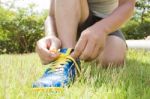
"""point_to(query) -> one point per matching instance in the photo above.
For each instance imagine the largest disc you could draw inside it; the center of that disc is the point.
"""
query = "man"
(90, 27)
(66, 16)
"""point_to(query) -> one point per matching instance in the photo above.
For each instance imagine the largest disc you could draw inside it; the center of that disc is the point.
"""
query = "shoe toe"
(41, 84)
(50, 82)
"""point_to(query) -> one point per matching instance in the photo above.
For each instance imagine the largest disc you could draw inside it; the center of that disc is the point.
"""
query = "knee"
(71, 7)
(112, 61)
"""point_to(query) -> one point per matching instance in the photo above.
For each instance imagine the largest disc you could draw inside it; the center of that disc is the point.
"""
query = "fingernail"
(72, 54)
(53, 51)
(55, 55)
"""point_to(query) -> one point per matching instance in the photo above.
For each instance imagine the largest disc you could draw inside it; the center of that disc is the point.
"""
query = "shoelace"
(58, 65)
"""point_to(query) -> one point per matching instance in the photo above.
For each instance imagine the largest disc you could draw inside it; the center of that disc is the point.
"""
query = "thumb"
(54, 45)
(54, 49)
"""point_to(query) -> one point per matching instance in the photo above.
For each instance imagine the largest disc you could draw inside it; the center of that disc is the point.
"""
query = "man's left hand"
(90, 44)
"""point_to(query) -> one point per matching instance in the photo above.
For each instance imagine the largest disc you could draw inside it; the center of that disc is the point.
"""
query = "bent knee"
(112, 61)
(114, 52)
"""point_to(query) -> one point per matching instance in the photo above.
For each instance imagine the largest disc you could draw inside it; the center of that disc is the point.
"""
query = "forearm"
(117, 18)
(50, 26)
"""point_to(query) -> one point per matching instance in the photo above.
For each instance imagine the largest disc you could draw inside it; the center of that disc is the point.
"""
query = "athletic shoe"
(61, 72)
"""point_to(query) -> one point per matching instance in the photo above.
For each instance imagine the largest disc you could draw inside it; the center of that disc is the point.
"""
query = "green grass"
(17, 72)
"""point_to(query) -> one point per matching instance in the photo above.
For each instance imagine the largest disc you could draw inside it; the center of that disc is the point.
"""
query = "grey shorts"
(92, 19)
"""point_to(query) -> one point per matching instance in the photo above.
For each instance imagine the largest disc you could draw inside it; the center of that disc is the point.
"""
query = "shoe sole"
(50, 89)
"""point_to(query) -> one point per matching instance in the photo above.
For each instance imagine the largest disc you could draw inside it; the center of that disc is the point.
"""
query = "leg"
(68, 15)
(114, 52)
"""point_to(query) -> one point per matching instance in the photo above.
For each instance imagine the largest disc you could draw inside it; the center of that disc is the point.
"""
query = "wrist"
(103, 28)
(100, 30)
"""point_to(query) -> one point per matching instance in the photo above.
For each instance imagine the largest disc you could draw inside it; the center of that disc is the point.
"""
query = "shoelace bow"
(59, 64)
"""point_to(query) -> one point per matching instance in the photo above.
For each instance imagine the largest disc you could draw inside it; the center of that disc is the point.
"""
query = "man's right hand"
(45, 48)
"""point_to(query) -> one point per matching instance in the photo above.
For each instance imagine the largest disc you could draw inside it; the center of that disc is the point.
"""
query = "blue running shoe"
(61, 72)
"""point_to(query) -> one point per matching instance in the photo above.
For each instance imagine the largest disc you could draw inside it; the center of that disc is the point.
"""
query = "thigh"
(84, 10)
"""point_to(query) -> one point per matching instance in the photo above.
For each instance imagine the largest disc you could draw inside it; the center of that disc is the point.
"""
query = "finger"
(98, 49)
(96, 52)
(54, 45)
(88, 50)
(79, 47)
(43, 47)
(45, 55)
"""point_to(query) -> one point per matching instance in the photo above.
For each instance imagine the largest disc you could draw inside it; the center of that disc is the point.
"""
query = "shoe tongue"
(66, 51)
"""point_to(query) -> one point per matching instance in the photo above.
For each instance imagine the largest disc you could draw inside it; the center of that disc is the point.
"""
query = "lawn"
(17, 72)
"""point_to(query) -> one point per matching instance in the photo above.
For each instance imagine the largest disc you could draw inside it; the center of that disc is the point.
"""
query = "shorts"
(92, 19)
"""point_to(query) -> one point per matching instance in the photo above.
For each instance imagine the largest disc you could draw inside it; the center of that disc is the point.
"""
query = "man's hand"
(45, 47)
(91, 42)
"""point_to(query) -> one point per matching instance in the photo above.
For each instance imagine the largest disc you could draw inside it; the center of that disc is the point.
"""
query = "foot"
(61, 72)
